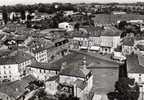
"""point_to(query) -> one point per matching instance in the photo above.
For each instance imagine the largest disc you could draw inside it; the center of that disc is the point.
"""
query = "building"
(105, 71)
(60, 49)
(43, 71)
(100, 39)
(13, 66)
(127, 46)
(110, 39)
(17, 90)
(51, 85)
(86, 38)
(60, 44)
(77, 79)
(65, 25)
(139, 47)
(135, 70)
(38, 48)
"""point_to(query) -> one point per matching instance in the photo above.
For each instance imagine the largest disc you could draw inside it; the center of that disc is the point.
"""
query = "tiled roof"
(38, 45)
(45, 66)
(140, 47)
(74, 71)
(133, 65)
(15, 57)
(29, 78)
(111, 31)
(14, 89)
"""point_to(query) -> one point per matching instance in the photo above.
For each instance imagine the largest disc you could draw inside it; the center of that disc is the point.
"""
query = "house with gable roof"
(13, 65)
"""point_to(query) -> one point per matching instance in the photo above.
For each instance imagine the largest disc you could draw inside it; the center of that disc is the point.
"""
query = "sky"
(13, 2)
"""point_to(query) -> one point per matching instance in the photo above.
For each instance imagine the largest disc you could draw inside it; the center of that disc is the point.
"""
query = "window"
(10, 72)
(9, 66)
(5, 76)
(40, 71)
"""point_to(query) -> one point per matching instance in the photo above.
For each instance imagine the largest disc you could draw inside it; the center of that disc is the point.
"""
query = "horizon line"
(72, 3)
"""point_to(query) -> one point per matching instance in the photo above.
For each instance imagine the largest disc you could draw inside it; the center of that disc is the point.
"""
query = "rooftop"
(15, 57)
(16, 88)
(128, 41)
(111, 31)
(38, 45)
(74, 71)
(45, 66)
(135, 64)
(140, 47)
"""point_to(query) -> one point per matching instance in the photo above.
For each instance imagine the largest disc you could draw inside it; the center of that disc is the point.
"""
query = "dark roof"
(74, 71)
(45, 66)
(82, 32)
(15, 57)
(14, 89)
(133, 65)
(29, 78)
(128, 41)
(45, 31)
(5, 52)
(38, 45)
(140, 47)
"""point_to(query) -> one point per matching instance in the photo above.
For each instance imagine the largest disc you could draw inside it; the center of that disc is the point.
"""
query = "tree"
(77, 26)
(122, 25)
(127, 89)
(23, 14)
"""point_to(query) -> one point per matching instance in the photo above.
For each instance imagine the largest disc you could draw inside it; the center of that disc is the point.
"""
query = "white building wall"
(95, 41)
(41, 56)
(66, 26)
(42, 74)
(110, 41)
(51, 87)
(9, 72)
